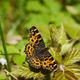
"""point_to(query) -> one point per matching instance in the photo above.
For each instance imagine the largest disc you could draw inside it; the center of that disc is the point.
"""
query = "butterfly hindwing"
(49, 63)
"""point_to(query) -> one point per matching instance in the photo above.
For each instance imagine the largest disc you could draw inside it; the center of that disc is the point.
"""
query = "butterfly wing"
(32, 58)
(37, 54)
(29, 50)
(36, 38)
(47, 61)
(37, 41)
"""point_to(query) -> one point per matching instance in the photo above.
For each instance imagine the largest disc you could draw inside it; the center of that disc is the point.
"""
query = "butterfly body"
(37, 53)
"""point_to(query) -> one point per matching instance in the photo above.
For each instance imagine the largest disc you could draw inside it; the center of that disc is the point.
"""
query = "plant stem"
(4, 47)
(11, 74)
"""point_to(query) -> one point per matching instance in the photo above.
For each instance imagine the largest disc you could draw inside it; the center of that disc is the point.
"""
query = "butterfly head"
(35, 36)
(33, 30)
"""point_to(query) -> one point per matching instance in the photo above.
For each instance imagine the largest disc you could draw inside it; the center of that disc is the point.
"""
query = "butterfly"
(37, 53)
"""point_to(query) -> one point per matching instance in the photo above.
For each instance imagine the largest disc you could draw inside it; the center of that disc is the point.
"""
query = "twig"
(10, 74)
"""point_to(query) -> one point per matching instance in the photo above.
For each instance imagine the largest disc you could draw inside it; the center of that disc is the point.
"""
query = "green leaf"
(72, 10)
(27, 73)
(19, 59)
(66, 47)
(74, 69)
(72, 28)
(55, 55)
(51, 4)
(69, 73)
(53, 35)
(62, 35)
(72, 56)
(37, 8)
(2, 76)
(77, 46)
(70, 76)
(59, 75)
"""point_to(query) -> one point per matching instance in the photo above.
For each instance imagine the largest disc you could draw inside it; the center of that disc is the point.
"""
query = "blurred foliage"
(59, 24)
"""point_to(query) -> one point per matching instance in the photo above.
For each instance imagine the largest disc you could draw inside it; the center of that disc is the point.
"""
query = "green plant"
(67, 58)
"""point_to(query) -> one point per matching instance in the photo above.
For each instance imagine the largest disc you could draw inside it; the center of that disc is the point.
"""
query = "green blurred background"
(17, 16)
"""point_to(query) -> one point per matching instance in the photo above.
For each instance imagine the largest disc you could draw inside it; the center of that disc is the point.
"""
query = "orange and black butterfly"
(37, 54)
